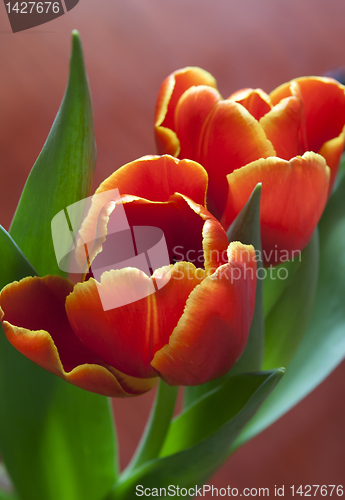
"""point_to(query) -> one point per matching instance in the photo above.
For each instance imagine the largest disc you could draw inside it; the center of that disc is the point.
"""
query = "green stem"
(156, 427)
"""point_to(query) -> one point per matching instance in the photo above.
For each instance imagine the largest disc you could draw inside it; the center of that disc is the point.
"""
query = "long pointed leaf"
(246, 228)
(323, 345)
(288, 319)
(63, 172)
(211, 411)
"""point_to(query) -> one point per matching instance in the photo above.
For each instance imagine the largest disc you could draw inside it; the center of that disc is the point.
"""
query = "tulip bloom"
(254, 137)
(191, 329)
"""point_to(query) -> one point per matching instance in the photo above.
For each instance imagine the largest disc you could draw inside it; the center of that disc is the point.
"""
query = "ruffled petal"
(257, 102)
(154, 178)
(213, 330)
(324, 104)
(231, 138)
(170, 92)
(40, 330)
(191, 112)
(179, 224)
(294, 194)
(332, 151)
(141, 312)
(282, 127)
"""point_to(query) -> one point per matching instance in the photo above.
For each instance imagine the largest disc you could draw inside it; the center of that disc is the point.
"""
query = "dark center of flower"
(157, 234)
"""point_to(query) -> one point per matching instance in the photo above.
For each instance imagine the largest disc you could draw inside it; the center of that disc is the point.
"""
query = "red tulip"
(322, 125)
(187, 323)
(231, 138)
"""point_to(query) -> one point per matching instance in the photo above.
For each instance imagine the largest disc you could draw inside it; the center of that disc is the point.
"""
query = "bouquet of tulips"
(217, 266)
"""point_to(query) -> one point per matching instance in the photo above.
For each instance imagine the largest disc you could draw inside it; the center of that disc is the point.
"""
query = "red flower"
(187, 323)
(253, 137)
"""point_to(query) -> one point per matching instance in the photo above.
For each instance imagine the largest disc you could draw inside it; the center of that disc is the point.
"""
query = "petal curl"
(180, 219)
(294, 195)
(257, 102)
(231, 138)
(213, 330)
(214, 238)
(142, 318)
(40, 330)
(154, 178)
(332, 151)
(170, 92)
(215, 245)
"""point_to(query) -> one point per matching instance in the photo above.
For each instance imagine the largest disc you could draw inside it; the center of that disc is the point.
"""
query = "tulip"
(186, 322)
(290, 140)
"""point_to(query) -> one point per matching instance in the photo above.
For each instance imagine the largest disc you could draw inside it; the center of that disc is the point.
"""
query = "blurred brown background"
(130, 47)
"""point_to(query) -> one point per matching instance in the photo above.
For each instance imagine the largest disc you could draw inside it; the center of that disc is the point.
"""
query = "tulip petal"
(155, 178)
(143, 316)
(191, 112)
(282, 127)
(170, 92)
(39, 329)
(294, 194)
(332, 151)
(283, 91)
(324, 104)
(215, 245)
(180, 220)
(214, 240)
(257, 102)
(231, 138)
(213, 330)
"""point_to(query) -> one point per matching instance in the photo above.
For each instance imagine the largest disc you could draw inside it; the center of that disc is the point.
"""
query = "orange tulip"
(186, 322)
(253, 137)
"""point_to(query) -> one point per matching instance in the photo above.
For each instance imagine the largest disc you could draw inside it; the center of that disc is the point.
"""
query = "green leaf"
(14, 265)
(4, 495)
(245, 228)
(198, 462)
(211, 411)
(341, 173)
(323, 345)
(63, 172)
(157, 426)
(57, 440)
(288, 319)
(275, 283)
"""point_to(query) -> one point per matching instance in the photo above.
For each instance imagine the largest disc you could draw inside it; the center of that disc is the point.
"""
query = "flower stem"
(156, 428)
